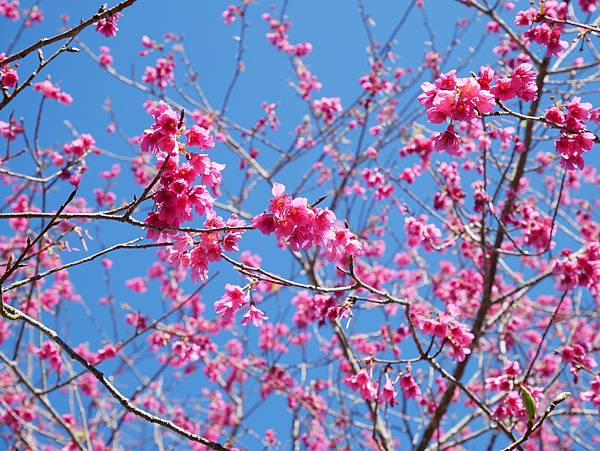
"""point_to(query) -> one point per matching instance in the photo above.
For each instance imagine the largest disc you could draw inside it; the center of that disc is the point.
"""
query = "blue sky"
(338, 59)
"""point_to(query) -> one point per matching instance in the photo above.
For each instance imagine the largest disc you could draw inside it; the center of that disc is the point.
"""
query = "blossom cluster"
(8, 75)
(105, 58)
(580, 269)
(301, 226)
(545, 31)
(108, 26)
(448, 330)
(10, 9)
(279, 37)
(162, 74)
(53, 92)
(459, 99)
(328, 108)
(575, 140)
(233, 300)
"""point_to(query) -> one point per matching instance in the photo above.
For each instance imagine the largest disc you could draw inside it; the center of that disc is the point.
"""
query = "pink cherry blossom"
(108, 25)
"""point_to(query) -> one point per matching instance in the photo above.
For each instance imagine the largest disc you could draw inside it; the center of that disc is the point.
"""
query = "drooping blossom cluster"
(223, 236)
(77, 150)
(254, 315)
(577, 355)
(575, 140)
(177, 195)
(108, 26)
(545, 31)
(410, 388)
(388, 391)
(301, 226)
(362, 383)
(593, 394)
(580, 269)
(53, 92)
(232, 301)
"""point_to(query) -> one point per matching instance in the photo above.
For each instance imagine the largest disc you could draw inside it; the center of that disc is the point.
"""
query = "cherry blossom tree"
(411, 265)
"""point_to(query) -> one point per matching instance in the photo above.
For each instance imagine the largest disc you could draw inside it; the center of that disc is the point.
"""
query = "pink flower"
(555, 115)
(107, 352)
(264, 222)
(137, 285)
(162, 135)
(362, 382)
(449, 141)
(105, 58)
(593, 395)
(51, 352)
(231, 13)
(328, 107)
(35, 16)
(418, 231)
(255, 315)
(270, 437)
(307, 83)
(80, 146)
(388, 392)
(233, 299)
(301, 226)
(521, 83)
(457, 98)
(589, 6)
(580, 270)
(409, 386)
(9, 78)
(108, 25)
(10, 9)
(162, 74)
(504, 89)
(52, 92)
(571, 147)
(10, 130)
(199, 136)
